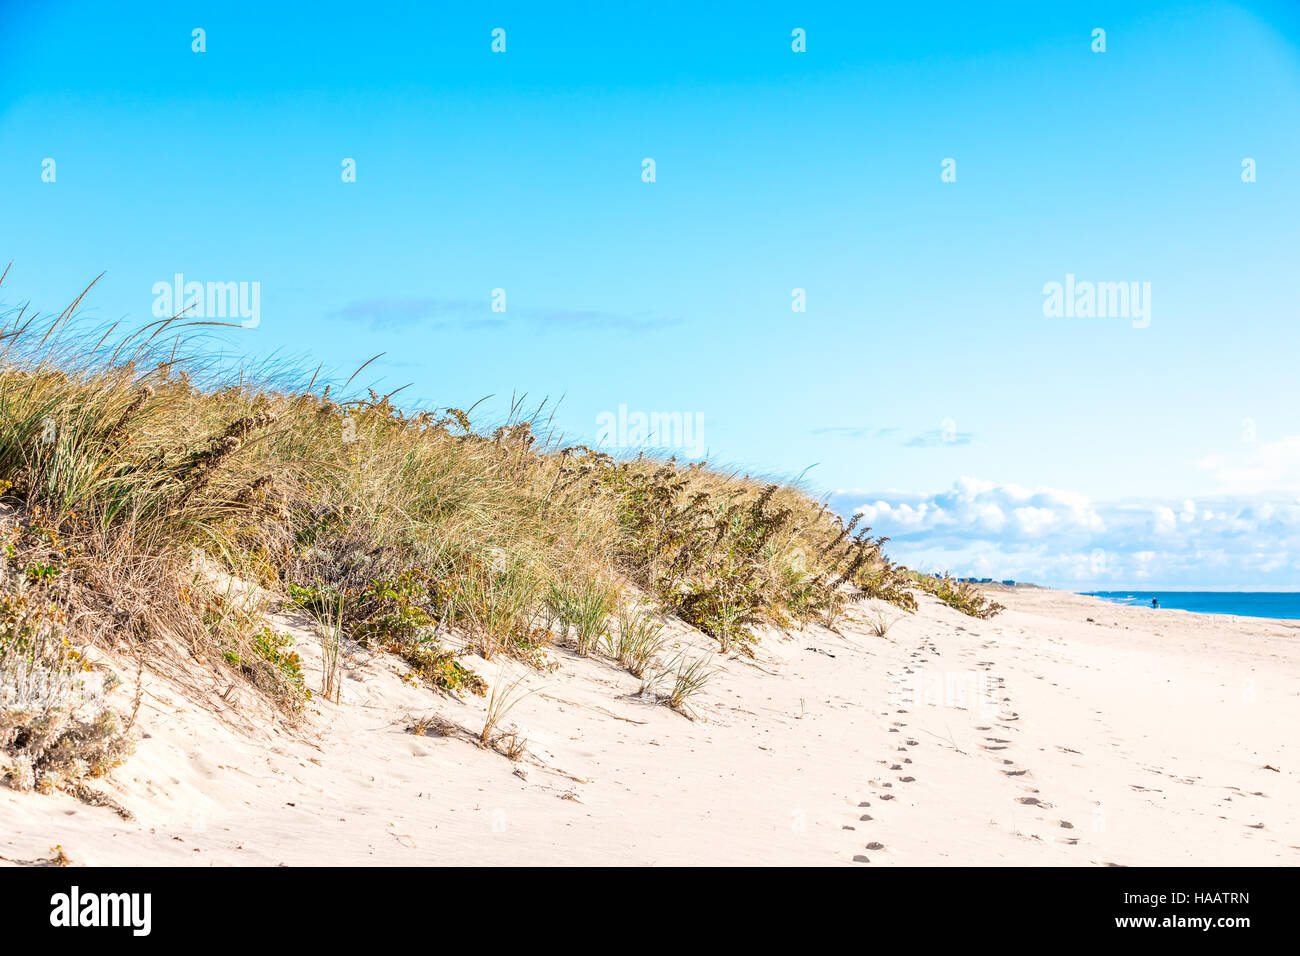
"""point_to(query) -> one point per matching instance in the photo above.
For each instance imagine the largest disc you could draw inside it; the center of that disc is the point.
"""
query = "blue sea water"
(1276, 604)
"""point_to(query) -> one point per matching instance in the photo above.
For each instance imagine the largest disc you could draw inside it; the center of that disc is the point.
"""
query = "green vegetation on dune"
(964, 597)
(164, 489)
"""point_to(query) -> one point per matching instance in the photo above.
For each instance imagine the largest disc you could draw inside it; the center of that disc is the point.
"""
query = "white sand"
(1146, 732)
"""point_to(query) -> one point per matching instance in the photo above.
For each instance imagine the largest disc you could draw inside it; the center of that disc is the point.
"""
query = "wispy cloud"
(857, 431)
(930, 439)
(596, 320)
(938, 438)
(1261, 466)
(389, 313)
(395, 313)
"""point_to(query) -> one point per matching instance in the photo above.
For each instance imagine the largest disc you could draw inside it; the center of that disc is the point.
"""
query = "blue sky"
(923, 382)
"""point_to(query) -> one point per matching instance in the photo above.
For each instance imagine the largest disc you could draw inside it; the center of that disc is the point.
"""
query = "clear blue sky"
(775, 170)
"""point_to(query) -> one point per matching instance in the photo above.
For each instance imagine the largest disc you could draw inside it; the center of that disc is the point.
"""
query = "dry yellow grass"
(160, 478)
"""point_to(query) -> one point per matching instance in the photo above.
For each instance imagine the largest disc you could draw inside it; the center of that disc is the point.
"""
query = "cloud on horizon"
(1063, 538)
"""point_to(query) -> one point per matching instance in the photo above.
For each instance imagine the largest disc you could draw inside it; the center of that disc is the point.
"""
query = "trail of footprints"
(991, 743)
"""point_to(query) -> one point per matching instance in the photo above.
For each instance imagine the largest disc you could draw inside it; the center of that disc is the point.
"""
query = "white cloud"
(1057, 536)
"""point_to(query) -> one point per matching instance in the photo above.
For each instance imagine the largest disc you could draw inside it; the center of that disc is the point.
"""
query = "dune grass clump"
(164, 497)
(583, 608)
(724, 554)
(329, 633)
(959, 595)
(502, 608)
(879, 623)
(505, 695)
(677, 680)
(636, 641)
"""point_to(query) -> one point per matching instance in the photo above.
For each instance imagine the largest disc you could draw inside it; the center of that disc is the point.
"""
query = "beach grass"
(959, 595)
(141, 479)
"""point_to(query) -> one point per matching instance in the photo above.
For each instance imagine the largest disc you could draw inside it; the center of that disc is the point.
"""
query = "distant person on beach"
(1155, 603)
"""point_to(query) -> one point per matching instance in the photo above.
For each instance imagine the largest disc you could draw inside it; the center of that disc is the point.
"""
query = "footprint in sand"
(873, 845)
(861, 859)
(906, 779)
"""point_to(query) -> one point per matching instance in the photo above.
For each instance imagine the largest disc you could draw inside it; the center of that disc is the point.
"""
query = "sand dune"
(1039, 737)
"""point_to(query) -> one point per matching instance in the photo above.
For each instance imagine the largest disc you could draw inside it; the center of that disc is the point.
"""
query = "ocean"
(1277, 604)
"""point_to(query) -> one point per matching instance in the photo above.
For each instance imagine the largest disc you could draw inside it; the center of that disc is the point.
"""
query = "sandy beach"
(1064, 731)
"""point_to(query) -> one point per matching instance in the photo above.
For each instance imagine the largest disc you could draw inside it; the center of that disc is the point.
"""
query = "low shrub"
(959, 595)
